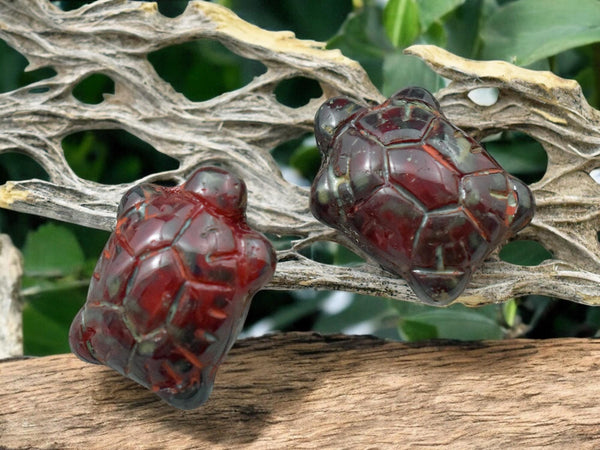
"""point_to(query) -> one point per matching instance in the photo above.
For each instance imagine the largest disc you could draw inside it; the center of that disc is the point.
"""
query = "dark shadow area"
(91, 89)
(70, 5)
(520, 155)
(19, 166)
(210, 69)
(171, 8)
(13, 74)
(113, 156)
(297, 91)
(282, 311)
(524, 253)
(550, 318)
(312, 19)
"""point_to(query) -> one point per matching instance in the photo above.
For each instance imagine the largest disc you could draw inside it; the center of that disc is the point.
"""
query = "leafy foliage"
(59, 258)
(526, 31)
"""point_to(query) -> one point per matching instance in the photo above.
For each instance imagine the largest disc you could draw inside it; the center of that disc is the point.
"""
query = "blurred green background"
(59, 258)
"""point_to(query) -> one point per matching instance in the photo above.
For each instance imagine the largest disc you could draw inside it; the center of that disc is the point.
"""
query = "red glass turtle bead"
(416, 193)
(171, 290)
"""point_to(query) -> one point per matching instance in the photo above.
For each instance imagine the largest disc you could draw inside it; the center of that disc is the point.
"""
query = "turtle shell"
(416, 193)
(172, 287)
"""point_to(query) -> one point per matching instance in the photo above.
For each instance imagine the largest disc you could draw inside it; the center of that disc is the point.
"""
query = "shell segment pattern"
(172, 287)
(416, 193)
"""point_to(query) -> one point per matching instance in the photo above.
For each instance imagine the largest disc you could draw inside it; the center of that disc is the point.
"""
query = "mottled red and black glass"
(172, 287)
(416, 193)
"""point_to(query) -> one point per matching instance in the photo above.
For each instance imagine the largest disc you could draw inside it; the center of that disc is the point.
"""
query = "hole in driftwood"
(172, 8)
(524, 253)
(13, 71)
(484, 96)
(598, 236)
(38, 90)
(210, 69)
(327, 252)
(167, 182)
(70, 5)
(91, 89)
(520, 155)
(262, 308)
(281, 242)
(34, 76)
(297, 91)
(113, 156)
(282, 311)
(595, 174)
(19, 166)
(299, 160)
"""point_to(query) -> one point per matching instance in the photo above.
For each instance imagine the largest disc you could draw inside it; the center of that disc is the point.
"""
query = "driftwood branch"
(239, 128)
(308, 391)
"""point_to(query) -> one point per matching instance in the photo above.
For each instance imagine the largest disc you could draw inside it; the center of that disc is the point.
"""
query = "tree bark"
(309, 391)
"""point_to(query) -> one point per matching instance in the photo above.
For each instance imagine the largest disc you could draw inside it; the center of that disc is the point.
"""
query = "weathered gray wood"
(307, 391)
(239, 128)
(11, 269)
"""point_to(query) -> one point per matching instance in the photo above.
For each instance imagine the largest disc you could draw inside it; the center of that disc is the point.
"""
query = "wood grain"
(309, 391)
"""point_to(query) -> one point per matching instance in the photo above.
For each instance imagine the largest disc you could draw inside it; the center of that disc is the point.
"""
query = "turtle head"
(138, 195)
(416, 93)
(524, 205)
(220, 188)
(328, 118)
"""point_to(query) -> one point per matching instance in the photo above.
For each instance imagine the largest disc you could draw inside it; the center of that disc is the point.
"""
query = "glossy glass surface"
(416, 193)
(172, 287)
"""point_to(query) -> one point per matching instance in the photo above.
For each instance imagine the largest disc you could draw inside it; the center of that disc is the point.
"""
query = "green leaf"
(462, 324)
(86, 155)
(52, 251)
(588, 81)
(400, 71)
(401, 21)
(525, 31)
(463, 27)
(524, 253)
(361, 309)
(363, 38)
(520, 156)
(435, 35)
(60, 304)
(345, 257)
(405, 309)
(42, 335)
(306, 160)
(431, 11)
(509, 311)
(592, 317)
(417, 331)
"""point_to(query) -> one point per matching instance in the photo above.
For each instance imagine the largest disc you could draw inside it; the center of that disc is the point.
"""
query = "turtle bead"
(413, 191)
(172, 287)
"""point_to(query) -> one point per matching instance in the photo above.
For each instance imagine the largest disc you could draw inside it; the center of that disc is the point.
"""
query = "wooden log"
(301, 390)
